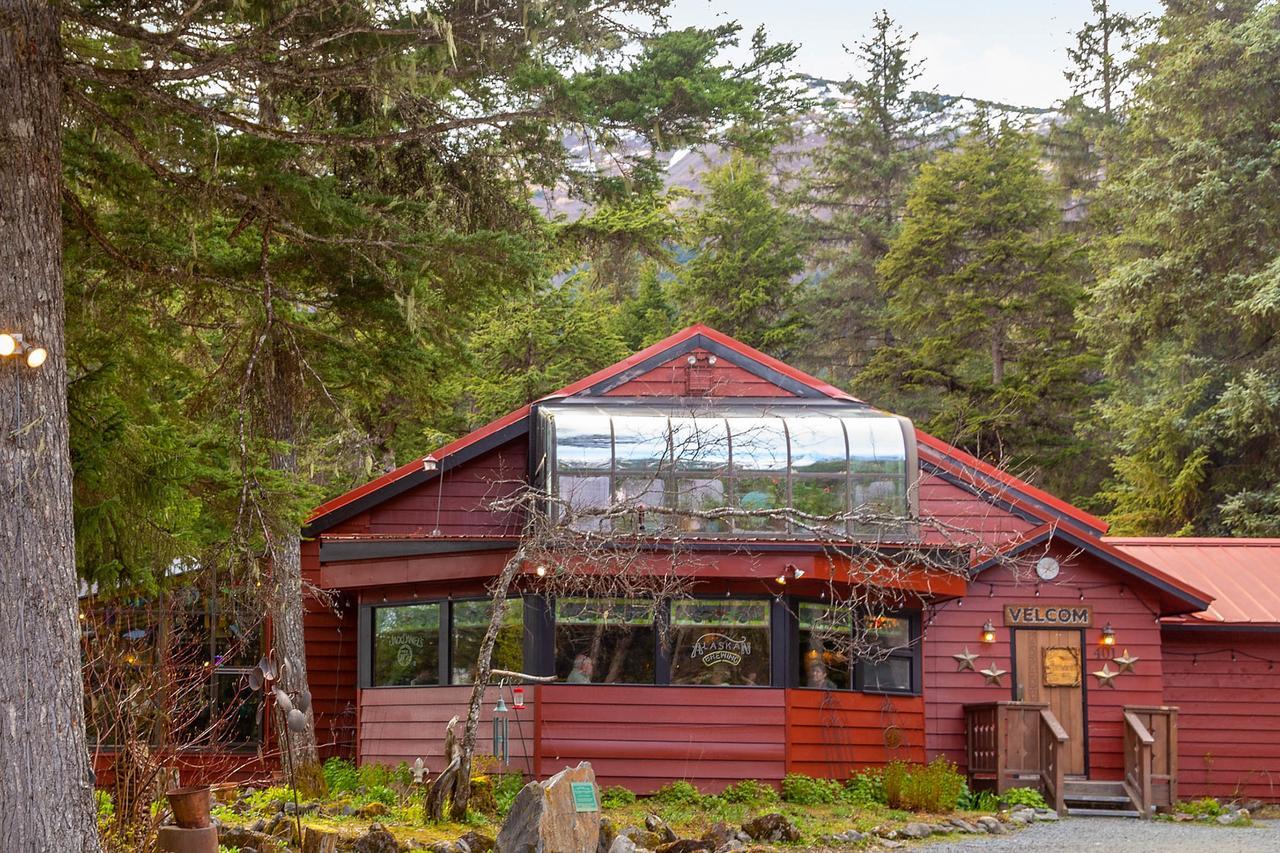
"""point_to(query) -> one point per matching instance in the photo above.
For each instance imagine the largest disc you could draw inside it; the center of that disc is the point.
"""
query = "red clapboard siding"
(671, 380)
(959, 509)
(195, 767)
(404, 723)
(953, 627)
(832, 734)
(645, 737)
(1228, 717)
(457, 503)
(331, 661)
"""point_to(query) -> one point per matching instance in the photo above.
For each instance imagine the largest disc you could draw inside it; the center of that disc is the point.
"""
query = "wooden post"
(316, 840)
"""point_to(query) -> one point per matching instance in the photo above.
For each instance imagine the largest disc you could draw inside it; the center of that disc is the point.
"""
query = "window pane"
(406, 645)
(888, 632)
(646, 495)
(235, 710)
(876, 445)
(640, 442)
(604, 641)
(817, 446)
(720, 642)
(880, 496)
(583, 440)
(891, 674)
(759, 444)
(819, 496)
(761, 493)
(824, 647)
(700, 495)
(237, 637)
(470, 621)
(700, 444)
(587, 497)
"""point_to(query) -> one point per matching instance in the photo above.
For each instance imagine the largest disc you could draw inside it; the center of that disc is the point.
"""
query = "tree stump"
(315, 840)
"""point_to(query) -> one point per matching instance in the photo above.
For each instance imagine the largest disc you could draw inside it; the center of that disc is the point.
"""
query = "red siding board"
(1228, 718)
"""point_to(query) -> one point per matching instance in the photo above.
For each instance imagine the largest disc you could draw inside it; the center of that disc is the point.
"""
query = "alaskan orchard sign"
(1048, 615)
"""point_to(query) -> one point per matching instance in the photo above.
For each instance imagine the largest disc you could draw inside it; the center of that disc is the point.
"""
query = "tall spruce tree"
(855, 194)
(743, 277)
(1187, 306)
(980, 294)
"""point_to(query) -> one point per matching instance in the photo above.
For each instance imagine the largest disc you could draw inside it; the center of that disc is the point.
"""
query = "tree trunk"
(299, 748)
(462, 783)
(46, 796)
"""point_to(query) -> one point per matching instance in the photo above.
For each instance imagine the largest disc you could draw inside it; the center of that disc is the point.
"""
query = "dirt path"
(1116, 835)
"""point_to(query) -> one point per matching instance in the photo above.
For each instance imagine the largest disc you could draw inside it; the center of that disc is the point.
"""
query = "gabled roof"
(1242, 576)
(1177, 594)
(964, 470)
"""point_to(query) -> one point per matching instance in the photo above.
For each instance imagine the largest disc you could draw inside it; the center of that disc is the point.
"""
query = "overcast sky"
(1013, 51)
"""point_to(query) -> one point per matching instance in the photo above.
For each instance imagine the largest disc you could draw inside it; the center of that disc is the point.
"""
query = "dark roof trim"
(719, 350)
(417, 478)
(1196, 625)
(1194, 603)
(344, 550)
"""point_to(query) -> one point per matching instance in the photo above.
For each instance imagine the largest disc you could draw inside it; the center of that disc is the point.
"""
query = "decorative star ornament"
(1126, 661)
(993, 674)
(965, 660)
(1106, 678)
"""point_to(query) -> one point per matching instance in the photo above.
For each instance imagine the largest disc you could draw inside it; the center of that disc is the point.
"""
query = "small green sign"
(584, 797)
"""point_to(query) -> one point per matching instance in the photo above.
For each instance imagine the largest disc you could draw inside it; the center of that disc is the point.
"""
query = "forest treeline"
(262, 314)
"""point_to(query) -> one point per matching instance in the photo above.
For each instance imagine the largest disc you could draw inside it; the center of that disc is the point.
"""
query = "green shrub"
(866, 788)
(1203, 807)
(615, 797)
(678, 793)
(1023, 797)
(505, 788)
(808, 791)
(978, 801)
(374, 775)
(105, 805)
(340, 776)
(933, 787)
(750, 792)
(381, 794)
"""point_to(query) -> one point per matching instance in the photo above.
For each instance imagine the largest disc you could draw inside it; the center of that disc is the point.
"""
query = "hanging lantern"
(501, 745)
(988, 632)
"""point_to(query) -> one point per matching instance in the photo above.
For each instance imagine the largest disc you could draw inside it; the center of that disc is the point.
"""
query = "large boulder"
(543, 818)
(377, 840)
(771, 827)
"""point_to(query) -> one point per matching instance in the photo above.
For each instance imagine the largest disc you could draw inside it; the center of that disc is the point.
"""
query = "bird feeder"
(517, 698)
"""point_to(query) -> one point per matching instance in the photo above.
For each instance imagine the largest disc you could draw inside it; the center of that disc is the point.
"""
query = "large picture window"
(604, 641)
(720, 641)
(786, 470)
(826, 637)
(406, 645)
(470, 621)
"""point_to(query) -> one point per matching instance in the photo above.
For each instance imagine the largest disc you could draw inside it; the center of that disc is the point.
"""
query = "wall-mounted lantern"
(988, 632)
(1108, 635)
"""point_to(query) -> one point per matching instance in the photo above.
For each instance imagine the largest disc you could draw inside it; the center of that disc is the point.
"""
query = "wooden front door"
(1049, 667)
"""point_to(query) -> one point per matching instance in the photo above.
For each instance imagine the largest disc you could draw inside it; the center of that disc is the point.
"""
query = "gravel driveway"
(1117, 835)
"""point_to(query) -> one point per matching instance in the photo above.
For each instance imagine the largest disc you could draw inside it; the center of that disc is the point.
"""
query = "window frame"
(661, 657)
(913, 653)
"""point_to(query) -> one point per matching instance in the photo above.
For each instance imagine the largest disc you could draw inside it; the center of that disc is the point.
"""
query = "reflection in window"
(824, 647)
(406, 645)
(470, 621)
(660, 471)
(891, 667)
(720, 641)
(604, 641)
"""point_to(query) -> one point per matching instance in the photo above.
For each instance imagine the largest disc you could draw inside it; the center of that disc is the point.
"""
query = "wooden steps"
(1086, 798)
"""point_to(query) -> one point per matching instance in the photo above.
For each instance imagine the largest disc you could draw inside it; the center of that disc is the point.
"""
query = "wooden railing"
(1012, 744)
(1151, 757)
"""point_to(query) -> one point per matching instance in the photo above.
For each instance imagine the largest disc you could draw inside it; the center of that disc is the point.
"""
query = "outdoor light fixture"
(14, 344)
(541, 571)
(1108, 635)
(501, 745)
(988, 632)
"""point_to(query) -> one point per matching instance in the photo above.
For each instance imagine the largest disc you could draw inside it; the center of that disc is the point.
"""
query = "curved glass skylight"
(776, 470)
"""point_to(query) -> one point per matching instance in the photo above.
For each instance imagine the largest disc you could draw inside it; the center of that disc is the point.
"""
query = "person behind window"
(426, 675)
(818, 675)
(582, 670)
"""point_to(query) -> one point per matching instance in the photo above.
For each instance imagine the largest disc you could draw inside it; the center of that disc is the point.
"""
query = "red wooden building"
(1059, 678)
